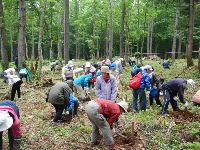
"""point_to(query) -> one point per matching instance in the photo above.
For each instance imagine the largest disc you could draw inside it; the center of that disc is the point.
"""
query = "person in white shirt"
(15, 83)
(67, 71)
(105, 61)
(53, 66)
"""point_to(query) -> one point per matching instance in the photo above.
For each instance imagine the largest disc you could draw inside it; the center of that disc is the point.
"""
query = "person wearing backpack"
(67, 71)
(155, 86)
(117, 70)
(144, 83)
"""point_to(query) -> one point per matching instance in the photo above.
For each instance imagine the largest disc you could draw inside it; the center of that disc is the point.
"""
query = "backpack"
(113, 66)
(135, 81)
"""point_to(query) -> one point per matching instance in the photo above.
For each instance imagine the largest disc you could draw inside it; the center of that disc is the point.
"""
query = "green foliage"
(170, 61)
(137, 55)
(183, 56)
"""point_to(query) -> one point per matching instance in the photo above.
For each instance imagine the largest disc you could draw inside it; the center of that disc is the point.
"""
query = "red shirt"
(110, 110)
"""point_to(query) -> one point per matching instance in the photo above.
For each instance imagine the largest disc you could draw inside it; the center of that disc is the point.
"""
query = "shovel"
(119, 134)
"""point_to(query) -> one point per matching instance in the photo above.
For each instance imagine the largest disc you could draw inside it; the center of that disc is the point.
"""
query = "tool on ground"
(119, 134)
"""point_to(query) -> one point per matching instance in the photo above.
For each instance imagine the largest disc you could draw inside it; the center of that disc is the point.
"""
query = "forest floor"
(177, 130)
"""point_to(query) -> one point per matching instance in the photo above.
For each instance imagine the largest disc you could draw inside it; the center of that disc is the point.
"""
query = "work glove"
(186, 104)
(175, 98)
(113, 130)
(67, 112)
(147, 92)
(17, 142)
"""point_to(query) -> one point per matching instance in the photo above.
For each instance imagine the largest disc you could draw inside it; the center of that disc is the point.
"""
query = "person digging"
(102, 114)
(170, 90)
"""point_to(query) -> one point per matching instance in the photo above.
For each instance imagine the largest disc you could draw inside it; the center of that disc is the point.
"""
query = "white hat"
(87, 64)
(6, 120)
(105, 69)
(191, 82)
(121, 59)
(70, 63)
(92, 69)
(124, 105)
(148, 67)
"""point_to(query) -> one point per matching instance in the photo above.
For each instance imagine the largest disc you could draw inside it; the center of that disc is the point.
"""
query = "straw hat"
(6, 121)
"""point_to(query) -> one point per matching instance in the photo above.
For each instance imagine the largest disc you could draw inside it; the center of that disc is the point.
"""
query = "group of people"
(104, 110)
(152, 82)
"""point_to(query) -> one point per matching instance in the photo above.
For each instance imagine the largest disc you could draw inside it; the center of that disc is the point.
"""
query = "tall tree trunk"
(111, 30)
(175, 34)
(11, 43)
(4, 53)
(122, 30)
(93, 32)
(151, 35)
(179, 44)
(32, 41)
(40, 39)
(26, 48)
(59, 44)
(21, 35)
(199, 59)
(77, 28)
(106, 52)
(148, 37)
(50, 36)
(190, 35)
(66, 32)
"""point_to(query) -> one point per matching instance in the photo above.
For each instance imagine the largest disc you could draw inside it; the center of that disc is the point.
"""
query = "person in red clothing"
(90, 69)
(103, 113)
(9, 119)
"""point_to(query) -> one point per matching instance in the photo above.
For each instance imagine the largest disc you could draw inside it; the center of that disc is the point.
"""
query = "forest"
(64, 30)
(43, 31)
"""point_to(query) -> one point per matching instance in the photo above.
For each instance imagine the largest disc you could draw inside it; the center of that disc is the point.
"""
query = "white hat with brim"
(190, 83)
(148, 67)
(87, 64)
(92, 69)
(124, 105)
(6, 121)
(105, 69)
(70, 63)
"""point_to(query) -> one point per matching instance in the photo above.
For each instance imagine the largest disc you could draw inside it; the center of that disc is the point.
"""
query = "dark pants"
(157, 100)
(23, 75)
(59, 111)
(10, 134)
(91, 84)
(141, 94)
(16, 87)
(131, 63)
(168, 98)
(76, 105)
(69, 78)
(53, 69)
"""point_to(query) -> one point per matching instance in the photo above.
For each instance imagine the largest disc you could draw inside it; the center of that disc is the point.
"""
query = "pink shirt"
(16, 130)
